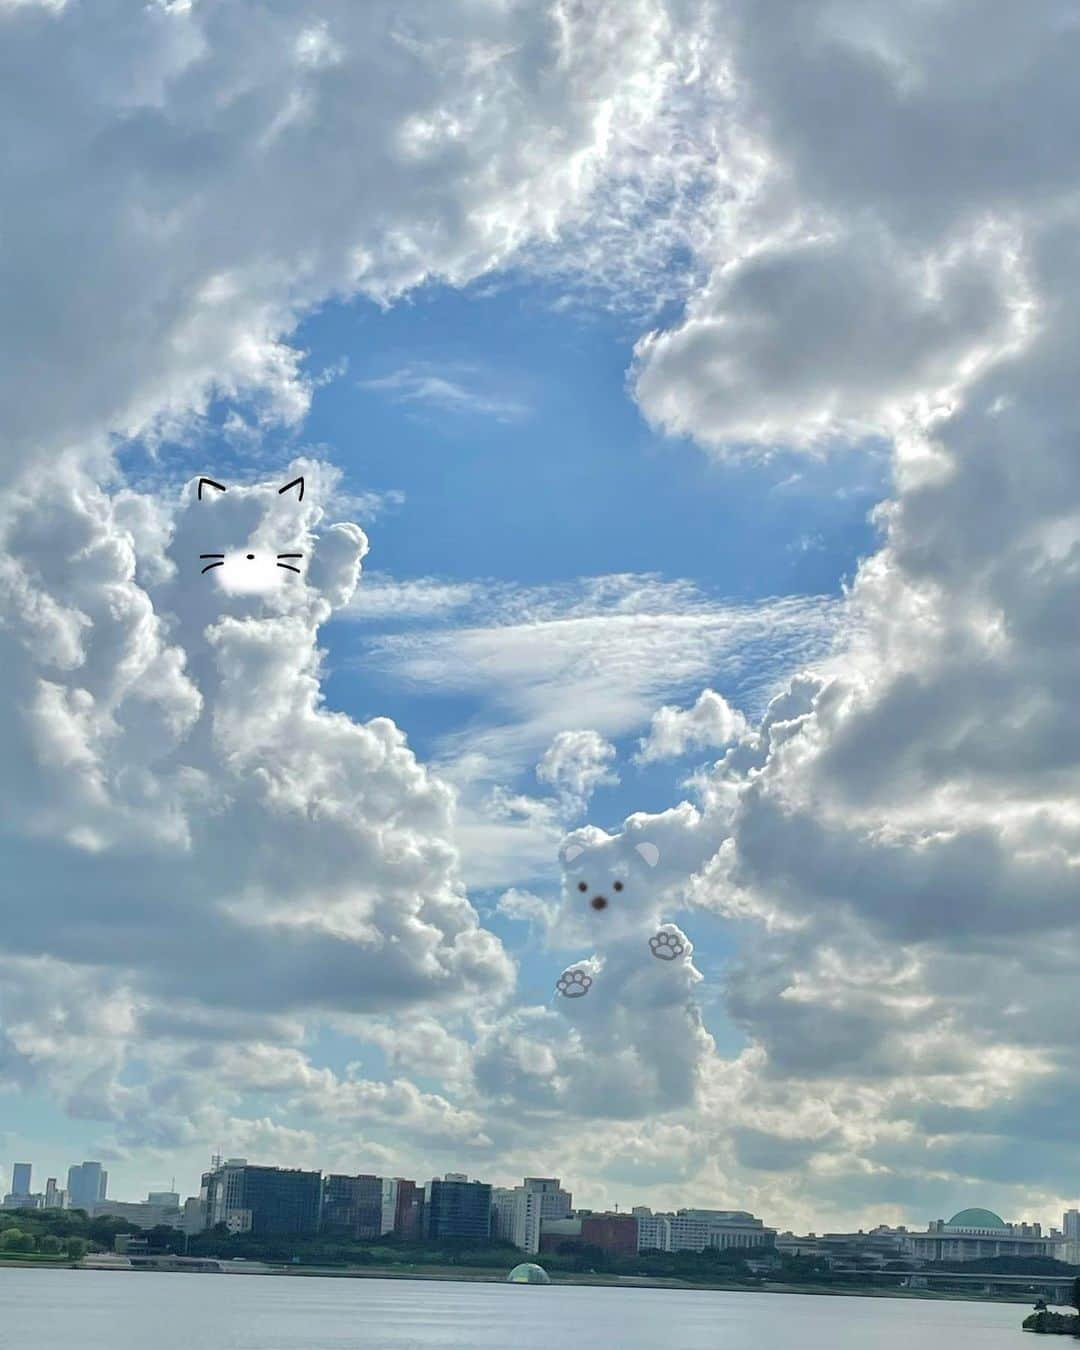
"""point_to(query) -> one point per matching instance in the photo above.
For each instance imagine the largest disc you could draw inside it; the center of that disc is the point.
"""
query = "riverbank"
(497, 1275)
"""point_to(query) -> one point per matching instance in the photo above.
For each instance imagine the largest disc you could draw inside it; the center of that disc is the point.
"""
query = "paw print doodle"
(666, 946)
(573, 983)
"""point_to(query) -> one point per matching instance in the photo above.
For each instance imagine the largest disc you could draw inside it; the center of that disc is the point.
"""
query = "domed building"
(974, 1234)
(528, 1273)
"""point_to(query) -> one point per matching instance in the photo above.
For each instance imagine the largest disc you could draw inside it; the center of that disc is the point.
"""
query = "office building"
(457, 1208)
(693, 1230)
(138, 1214)
(612, 1233)
(975, 1234)
(504, 1210)
(166, 1199)
(263, 1201)
(20, 1178)
(54, 1197)
(402, 1207)
(88, 1183)
(653, 1230)
(352, 1206)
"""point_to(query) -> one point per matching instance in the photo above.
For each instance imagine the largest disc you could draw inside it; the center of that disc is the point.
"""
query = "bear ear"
(649, 852)
(570, 852)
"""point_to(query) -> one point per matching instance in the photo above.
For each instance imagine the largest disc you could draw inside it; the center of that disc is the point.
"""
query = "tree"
(76, 1248)
(49, 1244)
(15, 1240)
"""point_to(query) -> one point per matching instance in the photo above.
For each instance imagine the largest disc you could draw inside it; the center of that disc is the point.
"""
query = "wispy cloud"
(459, 389)
(602, 653)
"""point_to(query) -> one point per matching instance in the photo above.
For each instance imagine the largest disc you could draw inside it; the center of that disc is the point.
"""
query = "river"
(114, 1310)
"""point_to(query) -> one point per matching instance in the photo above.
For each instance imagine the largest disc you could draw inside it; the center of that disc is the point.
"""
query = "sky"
(683, 397)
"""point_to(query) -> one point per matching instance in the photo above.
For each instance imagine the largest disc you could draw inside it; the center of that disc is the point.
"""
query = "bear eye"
(583, 885)
(618, 885)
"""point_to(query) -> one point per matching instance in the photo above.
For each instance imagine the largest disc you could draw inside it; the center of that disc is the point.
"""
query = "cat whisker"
(211, 555)
(217, 564)
(288, 567)
(290, 555)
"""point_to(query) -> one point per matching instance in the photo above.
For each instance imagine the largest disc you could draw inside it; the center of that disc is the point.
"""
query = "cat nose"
(251, 557)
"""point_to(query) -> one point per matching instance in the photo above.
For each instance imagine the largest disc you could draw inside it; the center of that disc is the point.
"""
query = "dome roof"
(977, 1218)
(528, 1273)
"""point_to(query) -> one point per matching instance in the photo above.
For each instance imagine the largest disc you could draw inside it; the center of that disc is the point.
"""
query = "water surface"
(118, 1310)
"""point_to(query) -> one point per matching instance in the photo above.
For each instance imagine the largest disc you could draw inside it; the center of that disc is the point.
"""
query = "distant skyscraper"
(52, 1194)
(352, 1206)
(457, 1208)
(262, 1200)
(87, 1184)
(1070, 1230)
(20, 1179)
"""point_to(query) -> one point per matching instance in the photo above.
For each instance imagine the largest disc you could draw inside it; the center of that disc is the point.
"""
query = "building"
(402, 1208)
(264, 1201)
(138, 1214)
(166, 1199)
(1069, 1249)
(457, 1208)
(54, 1197)
(193, 1215)
(352, 1206)
(504, 1212)
(88, 1183)
(518, 1212)
(654, 1230)
(612, 1233)
(554, 1233)
(20, 1178)
(695, 1229)
(975, 1234)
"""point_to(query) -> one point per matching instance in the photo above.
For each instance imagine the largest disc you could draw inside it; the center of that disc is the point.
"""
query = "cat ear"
(649, 852)
(571, 851)
(296, 482)
(210, 483)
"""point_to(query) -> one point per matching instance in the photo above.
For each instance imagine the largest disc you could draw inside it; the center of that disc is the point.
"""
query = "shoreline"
(493, 1275)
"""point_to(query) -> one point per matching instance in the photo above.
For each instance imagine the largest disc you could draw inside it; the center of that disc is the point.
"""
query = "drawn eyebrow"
(220, 486)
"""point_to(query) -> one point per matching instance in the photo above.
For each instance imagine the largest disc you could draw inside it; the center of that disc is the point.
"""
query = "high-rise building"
(20, 1178)
(261, 1200)
(87, 1184)
(352, 1206)
(653, 1230)
(457, 1208)
(517, 1213)
(402, 1206)
(1070, 1232)
(505, 1205)
(54, 1197)
(193, 1215)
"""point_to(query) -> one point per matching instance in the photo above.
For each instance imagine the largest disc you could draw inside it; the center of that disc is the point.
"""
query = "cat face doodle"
(252, 568)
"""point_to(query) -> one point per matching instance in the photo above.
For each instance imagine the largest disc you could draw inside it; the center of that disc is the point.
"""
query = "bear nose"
(599, 902)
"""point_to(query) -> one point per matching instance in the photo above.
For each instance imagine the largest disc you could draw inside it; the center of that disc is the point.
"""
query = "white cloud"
(446, 392)
(576, 763)
(712, 721)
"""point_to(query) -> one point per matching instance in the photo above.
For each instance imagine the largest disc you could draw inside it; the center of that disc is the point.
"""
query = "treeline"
(55, 1234)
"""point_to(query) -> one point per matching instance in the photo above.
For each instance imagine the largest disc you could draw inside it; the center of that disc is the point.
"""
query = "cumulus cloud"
(711, 721)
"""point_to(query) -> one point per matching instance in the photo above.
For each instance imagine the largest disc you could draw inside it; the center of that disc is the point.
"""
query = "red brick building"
(614, 1233)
